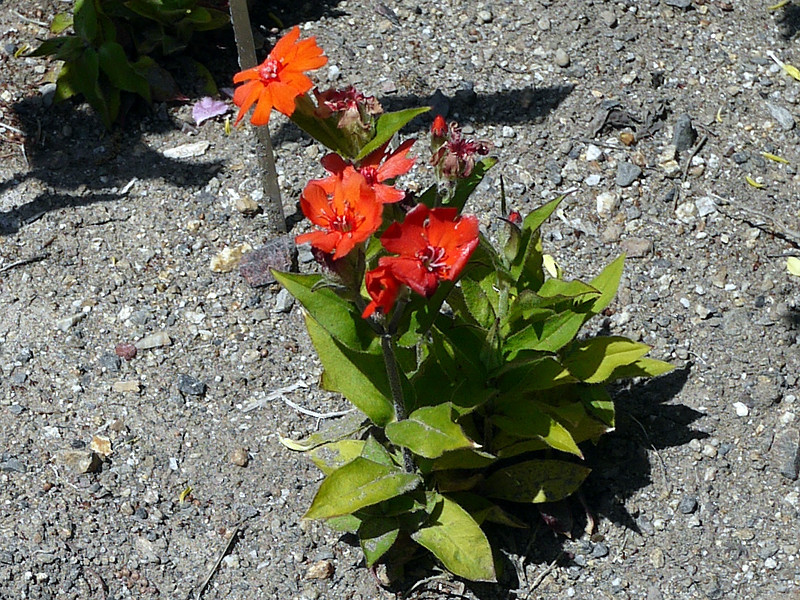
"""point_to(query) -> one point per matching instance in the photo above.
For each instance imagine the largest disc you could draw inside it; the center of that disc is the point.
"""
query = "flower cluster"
(346, 207)
(451, 153)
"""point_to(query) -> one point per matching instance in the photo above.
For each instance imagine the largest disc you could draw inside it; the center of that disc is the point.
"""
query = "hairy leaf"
(388, 124)
(377, 536)
(335, 314)
(429, 431)
(523, 418)
(596, 359)
(359, 376)
(334, 455)
(454, 537)
(357, 484)
(535, 481)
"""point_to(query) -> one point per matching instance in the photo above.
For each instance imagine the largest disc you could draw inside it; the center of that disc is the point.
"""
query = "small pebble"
(191, 386)
(741, 409)
(240, 457)
(283, 302)
(562, 58)
(322, 569)
(125, 351)
(782, 116)
(688, 505)
(683, 133)
(627, 173)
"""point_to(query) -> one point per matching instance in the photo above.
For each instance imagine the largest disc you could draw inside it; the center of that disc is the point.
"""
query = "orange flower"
(377, 167)
(383, 288)
(347, 216)
(434, 244)
(278, 80)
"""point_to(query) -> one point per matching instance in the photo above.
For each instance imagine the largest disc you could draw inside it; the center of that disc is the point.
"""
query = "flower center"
(432, 258)
(342, 223)
(269, 69)
(370, 174)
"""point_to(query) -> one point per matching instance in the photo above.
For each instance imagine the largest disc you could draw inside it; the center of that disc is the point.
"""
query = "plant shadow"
(647, 421)
(92, 165)
(789, 21)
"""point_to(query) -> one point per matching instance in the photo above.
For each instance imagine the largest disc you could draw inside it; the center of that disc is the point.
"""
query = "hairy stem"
(390, 360)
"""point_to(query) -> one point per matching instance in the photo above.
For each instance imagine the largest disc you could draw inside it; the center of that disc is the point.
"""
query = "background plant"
(474, 387)
(120, 48)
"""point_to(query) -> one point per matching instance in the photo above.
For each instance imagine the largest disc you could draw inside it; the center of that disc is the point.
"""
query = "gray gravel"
(114, 243)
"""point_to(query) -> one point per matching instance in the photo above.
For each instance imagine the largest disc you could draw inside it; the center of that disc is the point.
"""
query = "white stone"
(593, 152)
(607, 203)
(741, 409)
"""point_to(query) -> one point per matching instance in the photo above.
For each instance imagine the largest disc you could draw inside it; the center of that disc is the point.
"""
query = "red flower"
(383, 288)
(439, 127)
(433, 244)
(278, 80)
(347, 216)
(376, 168)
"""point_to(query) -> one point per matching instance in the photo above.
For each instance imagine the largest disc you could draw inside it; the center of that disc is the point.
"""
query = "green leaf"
(114, 63)
(203, 74)
(558, 288)
(523, 418)
(212, 19)
(360, 377)
(482, 510)
(50, 47)
(335, 314)
(85, 19)
(60, 22)
(429, 431)
(526, 267)
(387, 125)
(536, 481)
(464, 458)
(550, 335)
(467, 185)
(608, 283)
(357, 484)
(644, 367)
(535, 219)
(596, 359)
(334, 455)
(348, 523)
(347, 426)
(454, 537)
(529, 374)
(582, 425)
(377, 536)
(373, 450)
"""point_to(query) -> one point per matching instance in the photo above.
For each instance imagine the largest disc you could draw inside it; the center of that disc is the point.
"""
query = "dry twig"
(225, 550)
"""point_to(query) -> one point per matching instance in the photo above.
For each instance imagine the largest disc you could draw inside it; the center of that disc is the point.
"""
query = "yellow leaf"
(184, 494)
(793, 71)
(21, 50)
(793, 265)
(753, 182)
(779, 5)
(227, 125)
(719, 115)
(771, 156)
(549, 263)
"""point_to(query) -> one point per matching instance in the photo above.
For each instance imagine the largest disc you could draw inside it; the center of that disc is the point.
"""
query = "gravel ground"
(106, 240)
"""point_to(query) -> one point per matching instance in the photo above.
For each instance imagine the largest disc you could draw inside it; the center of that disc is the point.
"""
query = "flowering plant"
(461, 357)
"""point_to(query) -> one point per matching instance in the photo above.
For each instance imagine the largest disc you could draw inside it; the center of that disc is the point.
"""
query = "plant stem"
(240, 18)
(389, 359)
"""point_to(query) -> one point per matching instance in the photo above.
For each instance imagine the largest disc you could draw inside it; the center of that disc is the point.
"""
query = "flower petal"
(263, 107)
(314, 204)
(324, 240)
(284, 45)
(244, 96)
(410, 237)
(333, 163)
(283, 97)
(397, 163)
(411, 272)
